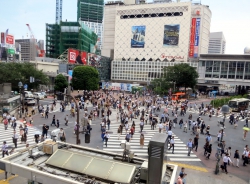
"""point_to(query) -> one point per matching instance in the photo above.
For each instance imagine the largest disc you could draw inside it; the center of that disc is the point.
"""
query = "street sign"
(25, 86)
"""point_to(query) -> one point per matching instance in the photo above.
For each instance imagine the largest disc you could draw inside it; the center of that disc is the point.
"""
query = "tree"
(160, 86)
(15, 72)
(60, 83)
(85, 78)
(181, 75)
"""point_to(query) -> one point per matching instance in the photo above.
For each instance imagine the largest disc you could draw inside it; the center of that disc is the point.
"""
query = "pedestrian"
(185, 127)
(14, 124)
(57, 123)
(245, 156)
(45, 130)
(189, 146)
(66, 119)
(108, 123)
(228, 151)
(128, 136)
(4, 149)
(196, 139)
(226, 159)
(62, 135)
(141, 140)
(106, 138)
(132, 131)
(141, 125)
(179, 179)
(89, 128)
(160, 127)
(169, 135)
(184, 175)
(172, 144)
(5, 122)
(15, 138)
(36, 137)
(223, 146)
(53, 120)
(244, 134)
(236, 158)
(209, 151)
(246, 125)
(42, 138)
(208, 138)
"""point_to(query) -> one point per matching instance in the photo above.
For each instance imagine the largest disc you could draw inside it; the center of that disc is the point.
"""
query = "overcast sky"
(231, 17)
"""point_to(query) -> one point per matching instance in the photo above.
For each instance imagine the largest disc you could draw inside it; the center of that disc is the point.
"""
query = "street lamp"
(20, 85)
(225, 110)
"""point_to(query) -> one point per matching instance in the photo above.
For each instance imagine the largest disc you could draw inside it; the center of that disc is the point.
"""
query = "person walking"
(209, 151)
(53, 120)
(236, 158)
(172, 144)
(45, 130)
(226, 159)
(62, 135)
(4, 149)
(196, 139)
(189, 146)
(245, 156)
(66, 119)
(15, 138)
(141, 125)
(106, 138)
(141, 140)
(169, 135)
(57, 123)
(244, 134)
(160, 127)
(185, 126)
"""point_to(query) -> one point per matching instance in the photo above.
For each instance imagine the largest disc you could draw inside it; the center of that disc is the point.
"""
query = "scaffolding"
(68, 35)
(90, 10)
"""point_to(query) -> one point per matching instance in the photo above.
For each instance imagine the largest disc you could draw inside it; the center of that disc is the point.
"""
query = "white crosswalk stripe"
(6, 135)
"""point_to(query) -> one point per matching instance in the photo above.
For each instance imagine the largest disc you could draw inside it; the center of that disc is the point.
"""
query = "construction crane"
(41, 53)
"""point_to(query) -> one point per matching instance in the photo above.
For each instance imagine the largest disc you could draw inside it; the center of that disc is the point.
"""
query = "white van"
(28, 94)
(39, 96)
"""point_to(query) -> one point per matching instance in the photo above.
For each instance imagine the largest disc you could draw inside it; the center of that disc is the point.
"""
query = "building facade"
(162, 1)
(224, 69)
(217, 43)
(90, 12)
(76, 35)
(28, 49)
(154, 36)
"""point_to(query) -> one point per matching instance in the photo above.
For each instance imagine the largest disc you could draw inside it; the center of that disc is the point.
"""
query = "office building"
(90, 12)
(28, 49)
(217, 43)
(76, 35)
(143, 39)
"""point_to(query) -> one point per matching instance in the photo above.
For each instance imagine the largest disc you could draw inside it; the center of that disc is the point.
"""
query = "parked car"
(44, 94)
(28, 94)
(29, 101)
(38, 96)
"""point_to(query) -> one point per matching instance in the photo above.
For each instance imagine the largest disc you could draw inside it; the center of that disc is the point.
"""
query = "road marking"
(8, 179)
(188, 166)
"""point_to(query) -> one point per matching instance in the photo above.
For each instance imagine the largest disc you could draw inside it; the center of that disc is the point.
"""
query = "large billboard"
(138, 36)
(192, 37)
(77, 57)
(9, 39)
(93, 60)
(171, 35)
(197, 37)
(118, 86)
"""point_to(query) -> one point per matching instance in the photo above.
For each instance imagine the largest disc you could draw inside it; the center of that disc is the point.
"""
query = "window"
(216, 69)
(224, 68)
(240, 70)
(231, 69)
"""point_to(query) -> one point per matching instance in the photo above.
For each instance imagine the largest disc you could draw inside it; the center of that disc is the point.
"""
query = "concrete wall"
(46, 66)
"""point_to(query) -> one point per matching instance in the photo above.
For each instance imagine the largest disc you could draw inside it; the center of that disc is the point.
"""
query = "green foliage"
(85, 78)
(220, 102)
(160, 86)
(15, 72)
(60, 83)
(182, 74)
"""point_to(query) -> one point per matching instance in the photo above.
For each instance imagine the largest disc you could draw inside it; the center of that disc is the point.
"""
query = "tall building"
(142, 39)
(217, 43)
(162, 1)
(90, 12)
(28, 51)
(60, 37)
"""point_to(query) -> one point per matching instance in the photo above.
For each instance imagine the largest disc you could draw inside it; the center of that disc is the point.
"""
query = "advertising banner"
(77, 57)
(192, 38)
(138, 36)
(197, 37)
(11, 51)
(126, 87)
(2, 38)
(171, 35)
(118, 86)
(9, 39)
(93, 60)
(70, 73)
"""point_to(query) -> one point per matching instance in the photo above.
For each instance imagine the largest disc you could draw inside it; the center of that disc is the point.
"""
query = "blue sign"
(25, 86)
(197, 37)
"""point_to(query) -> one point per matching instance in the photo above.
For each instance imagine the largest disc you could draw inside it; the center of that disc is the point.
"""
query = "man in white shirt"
(106, 138)
(15, 138)
(141, 125)
(172, 144)
(226, 160)
(245, 155)
(189, 146)
(4, 149)
(169, 134)
(160, 127)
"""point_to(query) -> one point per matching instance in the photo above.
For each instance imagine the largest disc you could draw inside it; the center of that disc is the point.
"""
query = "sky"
(231, 17)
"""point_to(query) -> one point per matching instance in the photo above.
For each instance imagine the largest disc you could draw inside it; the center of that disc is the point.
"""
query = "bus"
(238, 104)
(180, 96)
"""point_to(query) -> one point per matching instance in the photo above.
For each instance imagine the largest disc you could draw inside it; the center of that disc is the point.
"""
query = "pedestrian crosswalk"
(113, 145)
(6, 135)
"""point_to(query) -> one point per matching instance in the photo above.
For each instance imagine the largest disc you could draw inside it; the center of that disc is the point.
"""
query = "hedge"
(220, 102)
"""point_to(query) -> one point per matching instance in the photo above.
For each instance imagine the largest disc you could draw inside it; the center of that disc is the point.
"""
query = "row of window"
(153, 15)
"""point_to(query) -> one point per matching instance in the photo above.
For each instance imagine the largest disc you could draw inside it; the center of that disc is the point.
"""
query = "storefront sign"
(197, 37)
(172, 57)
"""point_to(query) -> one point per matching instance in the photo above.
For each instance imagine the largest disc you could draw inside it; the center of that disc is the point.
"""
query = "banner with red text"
(192, 37)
